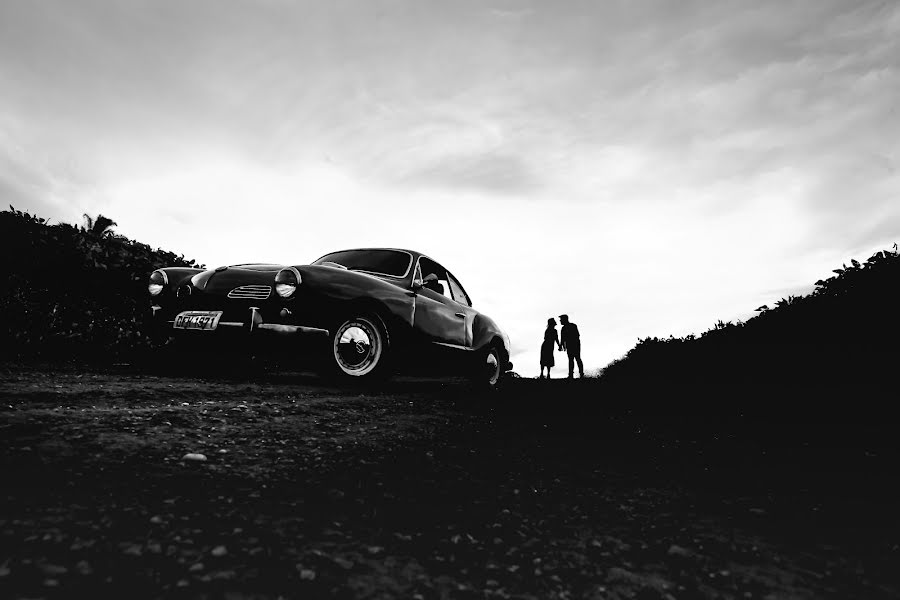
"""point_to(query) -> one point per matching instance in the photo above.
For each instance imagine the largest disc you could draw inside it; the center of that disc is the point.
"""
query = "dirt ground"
(421, 489)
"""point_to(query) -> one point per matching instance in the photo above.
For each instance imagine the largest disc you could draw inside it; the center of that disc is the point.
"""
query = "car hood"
(263, 267)
(224, 279)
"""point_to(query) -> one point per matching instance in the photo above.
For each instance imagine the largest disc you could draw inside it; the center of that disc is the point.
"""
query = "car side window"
(441, 285)
(458, 292)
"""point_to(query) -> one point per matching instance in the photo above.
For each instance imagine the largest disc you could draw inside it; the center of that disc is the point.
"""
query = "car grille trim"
(251, 292)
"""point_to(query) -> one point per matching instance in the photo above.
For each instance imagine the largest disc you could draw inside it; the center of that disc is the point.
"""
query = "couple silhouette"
(570, 341)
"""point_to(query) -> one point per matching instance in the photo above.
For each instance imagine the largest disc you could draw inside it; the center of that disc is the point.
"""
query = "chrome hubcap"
(492, 367)
(357, 347)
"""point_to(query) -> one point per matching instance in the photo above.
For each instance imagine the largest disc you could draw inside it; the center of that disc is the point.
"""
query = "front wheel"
(360, 347)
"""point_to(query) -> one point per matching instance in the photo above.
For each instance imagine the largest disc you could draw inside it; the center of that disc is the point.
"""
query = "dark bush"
(843, 335)
(73, 292)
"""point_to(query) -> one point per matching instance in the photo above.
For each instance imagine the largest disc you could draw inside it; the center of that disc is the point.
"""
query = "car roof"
(407, 250)
(414, 253)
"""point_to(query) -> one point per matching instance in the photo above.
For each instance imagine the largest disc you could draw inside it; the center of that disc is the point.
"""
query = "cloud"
(489, 172)
(33, 181)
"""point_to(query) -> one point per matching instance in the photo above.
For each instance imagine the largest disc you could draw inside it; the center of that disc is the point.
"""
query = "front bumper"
(254, 325)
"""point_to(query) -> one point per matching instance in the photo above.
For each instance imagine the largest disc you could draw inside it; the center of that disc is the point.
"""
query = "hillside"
(845, 333)
(73, 291)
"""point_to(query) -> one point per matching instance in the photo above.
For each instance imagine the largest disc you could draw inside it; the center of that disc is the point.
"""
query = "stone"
(675, 550)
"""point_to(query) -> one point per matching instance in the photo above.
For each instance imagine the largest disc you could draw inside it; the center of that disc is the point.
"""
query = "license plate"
(205, 320)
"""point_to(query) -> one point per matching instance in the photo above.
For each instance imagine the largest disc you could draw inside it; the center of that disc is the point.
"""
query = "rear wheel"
(360, 347)
(488, 374)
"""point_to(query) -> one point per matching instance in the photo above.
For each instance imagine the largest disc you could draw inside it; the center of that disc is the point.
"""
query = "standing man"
(571, 343)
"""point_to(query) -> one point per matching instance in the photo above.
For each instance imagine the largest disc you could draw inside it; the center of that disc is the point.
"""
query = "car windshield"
(386, 262)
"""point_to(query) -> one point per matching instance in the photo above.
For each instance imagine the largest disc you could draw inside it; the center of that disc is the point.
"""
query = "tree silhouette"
(99, 227)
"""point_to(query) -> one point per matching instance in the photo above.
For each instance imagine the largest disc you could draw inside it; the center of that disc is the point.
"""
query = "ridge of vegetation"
(74, 292)
(845, 332)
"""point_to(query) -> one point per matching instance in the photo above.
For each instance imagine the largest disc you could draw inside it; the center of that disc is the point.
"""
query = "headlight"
(158, 280)
(286, 282)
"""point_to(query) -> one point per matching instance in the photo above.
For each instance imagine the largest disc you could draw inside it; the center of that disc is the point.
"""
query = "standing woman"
(551, 338)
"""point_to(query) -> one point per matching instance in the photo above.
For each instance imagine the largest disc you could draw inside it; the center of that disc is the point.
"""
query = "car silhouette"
(361, 313)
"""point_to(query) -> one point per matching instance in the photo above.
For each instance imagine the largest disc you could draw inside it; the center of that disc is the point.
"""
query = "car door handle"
(461, 315)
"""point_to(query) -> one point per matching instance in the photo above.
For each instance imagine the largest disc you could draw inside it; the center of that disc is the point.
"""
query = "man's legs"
(575, 356)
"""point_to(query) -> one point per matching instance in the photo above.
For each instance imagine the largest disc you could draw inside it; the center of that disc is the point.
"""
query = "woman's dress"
(551, 339)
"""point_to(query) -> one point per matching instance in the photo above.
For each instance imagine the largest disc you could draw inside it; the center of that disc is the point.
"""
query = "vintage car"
(360, 313)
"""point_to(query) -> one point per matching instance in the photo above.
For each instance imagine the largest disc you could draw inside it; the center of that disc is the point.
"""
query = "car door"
(464, 305)
(436, 315)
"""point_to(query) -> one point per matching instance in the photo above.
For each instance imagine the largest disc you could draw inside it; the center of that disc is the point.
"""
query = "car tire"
(488, 374)
(360, 348)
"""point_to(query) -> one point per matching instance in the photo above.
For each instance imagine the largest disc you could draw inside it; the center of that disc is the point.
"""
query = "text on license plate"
(198, 319)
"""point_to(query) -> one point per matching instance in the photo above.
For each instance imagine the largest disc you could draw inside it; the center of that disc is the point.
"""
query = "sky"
(646, 166)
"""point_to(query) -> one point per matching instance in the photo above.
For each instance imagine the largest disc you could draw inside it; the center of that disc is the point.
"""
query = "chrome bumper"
(277, 328)
(253, 325)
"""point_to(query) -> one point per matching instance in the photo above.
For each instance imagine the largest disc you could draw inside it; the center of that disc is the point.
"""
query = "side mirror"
(430, 281)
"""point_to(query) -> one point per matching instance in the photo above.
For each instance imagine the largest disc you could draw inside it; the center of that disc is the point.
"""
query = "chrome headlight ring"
(158, 281)
(287, 281)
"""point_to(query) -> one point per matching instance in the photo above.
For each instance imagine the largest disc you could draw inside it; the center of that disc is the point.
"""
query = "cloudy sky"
(648, 166)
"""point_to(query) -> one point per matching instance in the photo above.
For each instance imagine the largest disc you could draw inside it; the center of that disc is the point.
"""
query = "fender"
(485, 332)
(176, 276)
(347, 287)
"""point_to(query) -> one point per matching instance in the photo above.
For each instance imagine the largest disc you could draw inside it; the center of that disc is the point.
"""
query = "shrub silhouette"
(73, 291)
(845, 333)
